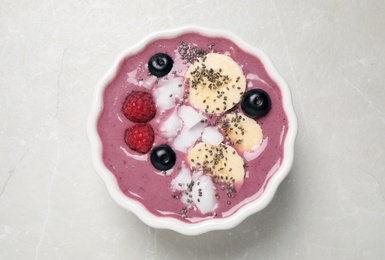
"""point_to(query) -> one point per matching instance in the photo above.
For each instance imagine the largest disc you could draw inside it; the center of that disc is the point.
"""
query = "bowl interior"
(272, 182)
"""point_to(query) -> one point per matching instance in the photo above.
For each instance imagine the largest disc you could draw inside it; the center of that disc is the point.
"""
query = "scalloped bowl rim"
(171, 223)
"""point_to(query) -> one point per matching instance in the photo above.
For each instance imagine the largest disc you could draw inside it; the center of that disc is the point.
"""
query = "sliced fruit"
(256, 103)
(160, 64)
(245, 133)
(221, 162)
(163, 157)
(216, 83)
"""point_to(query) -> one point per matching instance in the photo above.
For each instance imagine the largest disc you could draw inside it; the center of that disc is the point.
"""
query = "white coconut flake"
(203, 194)
(188, 137)
(185, 198)
(182, 180)
(168, 92)
(170, 127)
(173, 86)
(211, 135)
(163, 100)
(148, 83)
(131, 77)
(190, 116)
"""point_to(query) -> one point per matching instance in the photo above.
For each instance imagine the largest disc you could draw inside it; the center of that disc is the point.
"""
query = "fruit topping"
(190, 116)
(222, 162)
(171, 125)
(160, 64)
(216, 83)
(163, 157)
(256, 103)
(188, 136)
(193, 125)
(203, 193)
(211, 135)
(183, 180)
(139, 107)
(139, 137)
(197, 190)
(245, 133)
(168, 93)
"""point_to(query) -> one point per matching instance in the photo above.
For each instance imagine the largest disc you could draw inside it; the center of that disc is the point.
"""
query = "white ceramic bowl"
(172, 223)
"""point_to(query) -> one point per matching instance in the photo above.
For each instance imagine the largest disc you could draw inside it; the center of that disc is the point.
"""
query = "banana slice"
(244, 132)
(222, 162)
(216, 83)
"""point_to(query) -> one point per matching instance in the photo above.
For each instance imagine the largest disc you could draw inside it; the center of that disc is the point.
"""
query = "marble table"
(53, 205)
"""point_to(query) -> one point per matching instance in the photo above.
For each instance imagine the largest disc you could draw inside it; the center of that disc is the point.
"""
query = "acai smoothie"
(192, 127)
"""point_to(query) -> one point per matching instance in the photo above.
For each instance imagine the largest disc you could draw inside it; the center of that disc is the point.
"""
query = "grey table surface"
(53, 205)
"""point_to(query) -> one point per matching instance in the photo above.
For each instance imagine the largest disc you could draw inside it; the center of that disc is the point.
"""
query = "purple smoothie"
(135, 174)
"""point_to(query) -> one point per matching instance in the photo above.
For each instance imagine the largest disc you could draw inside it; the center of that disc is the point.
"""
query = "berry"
(163, 157)
(139, 137)
(139, 107)
(256, 103)
(160, 64)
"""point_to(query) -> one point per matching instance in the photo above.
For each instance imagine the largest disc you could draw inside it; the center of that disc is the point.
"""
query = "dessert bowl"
(133, 177)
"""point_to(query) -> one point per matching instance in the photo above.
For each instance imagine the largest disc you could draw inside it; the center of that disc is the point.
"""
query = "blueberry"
(163, 157)
(160, 64)
(256, 103)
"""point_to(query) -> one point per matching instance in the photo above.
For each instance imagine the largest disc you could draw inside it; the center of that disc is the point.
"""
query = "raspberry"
(139, 107)
(139, 137)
